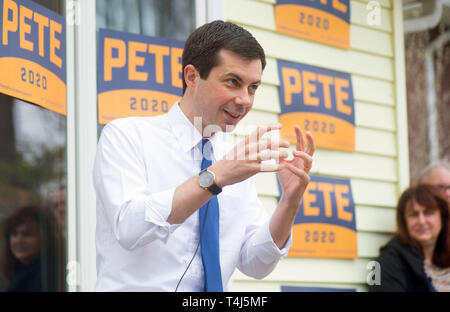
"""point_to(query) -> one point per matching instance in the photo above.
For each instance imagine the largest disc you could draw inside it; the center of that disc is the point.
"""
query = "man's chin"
(224, 126)
(229, 127)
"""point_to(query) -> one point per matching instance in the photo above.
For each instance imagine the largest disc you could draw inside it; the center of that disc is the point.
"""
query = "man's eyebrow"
(240, 79)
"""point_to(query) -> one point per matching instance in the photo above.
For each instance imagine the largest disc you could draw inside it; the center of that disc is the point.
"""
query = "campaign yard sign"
(137, 75)
(324, 21)
(325, 225)
(320, 101)
(33, 54)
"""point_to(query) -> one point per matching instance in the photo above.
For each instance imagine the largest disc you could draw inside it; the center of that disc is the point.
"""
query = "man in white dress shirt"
(149, 190)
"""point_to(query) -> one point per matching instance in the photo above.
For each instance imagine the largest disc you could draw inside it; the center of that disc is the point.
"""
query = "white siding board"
(383, 3)
(270, 74)
(267, 98)
(373, 90)
(365, 193)
(376, 193)
(371, 41)
(291, 49)
(359, 14)
(369, 244)
(375, 142)
(365, 216)
(316, 270)
(253, 119)
(375, 116)
(345, 164)
(375, 219)
(266, 184)
(262, 16)
(265, 1)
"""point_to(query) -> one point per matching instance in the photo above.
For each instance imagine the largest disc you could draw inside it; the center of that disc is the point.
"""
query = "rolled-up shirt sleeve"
(137, 215)
(259, 254)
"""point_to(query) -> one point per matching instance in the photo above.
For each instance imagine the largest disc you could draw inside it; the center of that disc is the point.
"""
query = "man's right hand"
(240, 163)
(245, 159)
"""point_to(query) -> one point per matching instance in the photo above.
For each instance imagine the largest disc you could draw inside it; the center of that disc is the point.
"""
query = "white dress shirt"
(139, 163)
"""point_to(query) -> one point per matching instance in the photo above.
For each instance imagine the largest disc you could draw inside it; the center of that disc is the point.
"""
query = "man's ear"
(190, 76)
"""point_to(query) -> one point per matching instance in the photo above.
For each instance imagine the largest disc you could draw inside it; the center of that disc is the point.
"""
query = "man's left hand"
(294, 174)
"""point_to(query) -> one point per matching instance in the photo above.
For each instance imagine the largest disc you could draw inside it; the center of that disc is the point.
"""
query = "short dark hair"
(202, 47)
(429, 197)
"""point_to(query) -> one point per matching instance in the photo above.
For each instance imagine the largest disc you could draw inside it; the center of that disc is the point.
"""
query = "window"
(32, 194)
(173, 19)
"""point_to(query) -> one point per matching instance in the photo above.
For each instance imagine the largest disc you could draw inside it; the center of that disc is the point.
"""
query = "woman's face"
(25, 242)
(423, 223)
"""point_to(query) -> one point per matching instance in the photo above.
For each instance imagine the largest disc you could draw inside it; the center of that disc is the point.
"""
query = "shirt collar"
(189, 137)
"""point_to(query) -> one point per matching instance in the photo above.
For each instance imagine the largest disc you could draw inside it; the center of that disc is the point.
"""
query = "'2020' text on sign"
(33, 54)
(324, 21)
(325, 225)
(138, 75)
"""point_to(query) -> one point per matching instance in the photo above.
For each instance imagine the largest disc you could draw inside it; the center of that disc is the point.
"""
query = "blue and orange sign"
(320, 101)
(33, 54)
(137, 75)
(324, 21)
(325, 225)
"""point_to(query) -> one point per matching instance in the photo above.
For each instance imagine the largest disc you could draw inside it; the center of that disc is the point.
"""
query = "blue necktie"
(209, 232)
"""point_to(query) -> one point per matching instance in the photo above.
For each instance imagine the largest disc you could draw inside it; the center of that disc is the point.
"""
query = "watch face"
(206, 179)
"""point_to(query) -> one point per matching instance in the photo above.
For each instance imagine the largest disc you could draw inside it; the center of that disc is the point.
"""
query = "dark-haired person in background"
(176, 208)
(417, 259)
(32, 256)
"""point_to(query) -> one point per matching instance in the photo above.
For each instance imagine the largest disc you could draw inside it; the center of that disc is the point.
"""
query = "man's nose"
(244, 98)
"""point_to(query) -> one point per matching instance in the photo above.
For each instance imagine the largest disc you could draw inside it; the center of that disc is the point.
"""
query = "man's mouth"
(232, 115)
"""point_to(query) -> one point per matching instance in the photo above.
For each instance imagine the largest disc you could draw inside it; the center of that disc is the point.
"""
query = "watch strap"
(213, 188)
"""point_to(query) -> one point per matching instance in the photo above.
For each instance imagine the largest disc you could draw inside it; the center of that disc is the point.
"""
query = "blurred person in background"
(30, 258)
(417, 259)
(437, 174)
(58, 208)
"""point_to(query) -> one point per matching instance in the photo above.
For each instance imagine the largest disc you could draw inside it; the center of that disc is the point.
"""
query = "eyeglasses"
(443, 187)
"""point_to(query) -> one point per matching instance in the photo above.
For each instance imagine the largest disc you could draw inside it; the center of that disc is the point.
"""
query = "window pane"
(32, 197)
(173, 19)
(54, 5)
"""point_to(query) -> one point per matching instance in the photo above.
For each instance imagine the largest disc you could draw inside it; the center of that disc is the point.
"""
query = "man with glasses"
(437, 174)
